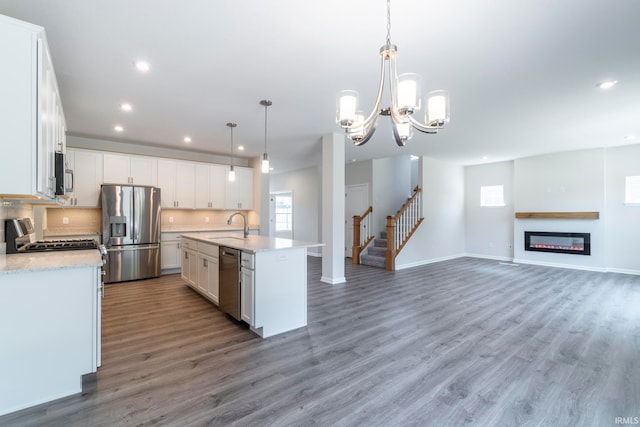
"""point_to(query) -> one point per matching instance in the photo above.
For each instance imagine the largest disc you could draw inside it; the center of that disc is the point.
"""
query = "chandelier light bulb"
(347, 106)
(437, 108)
(408, 92)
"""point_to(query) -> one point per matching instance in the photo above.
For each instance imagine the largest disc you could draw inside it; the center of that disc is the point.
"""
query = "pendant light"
(232, 173)
(265, 157)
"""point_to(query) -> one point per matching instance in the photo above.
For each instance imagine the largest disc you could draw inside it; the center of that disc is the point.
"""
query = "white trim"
(429, 261)
(623, 271)
(552, 264)
(315, 254)
(493, 257)
(333, 281)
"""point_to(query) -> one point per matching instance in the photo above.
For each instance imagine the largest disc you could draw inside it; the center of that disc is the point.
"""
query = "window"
(632, 190)
(284, 212)
(492, 195)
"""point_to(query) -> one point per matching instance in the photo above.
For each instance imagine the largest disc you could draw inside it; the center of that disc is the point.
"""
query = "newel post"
(390, 257)
(355, 249)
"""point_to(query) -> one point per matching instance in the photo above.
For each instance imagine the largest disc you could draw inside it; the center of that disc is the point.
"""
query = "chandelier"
(405, 102)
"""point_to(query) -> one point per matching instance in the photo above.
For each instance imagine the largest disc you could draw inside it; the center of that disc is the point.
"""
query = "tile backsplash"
(178, 217)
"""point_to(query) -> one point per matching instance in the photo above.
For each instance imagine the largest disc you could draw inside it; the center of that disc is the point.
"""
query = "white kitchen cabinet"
(170, 251)
(177, 181)
(87, 178)
(33, 125)
(189, 270)
(210, 181)
(239, 193)
(247, 289)
(130, 169)
(207, 283)
(50, 324)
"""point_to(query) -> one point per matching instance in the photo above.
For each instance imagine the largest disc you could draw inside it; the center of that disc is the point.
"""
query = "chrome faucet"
(244, 220)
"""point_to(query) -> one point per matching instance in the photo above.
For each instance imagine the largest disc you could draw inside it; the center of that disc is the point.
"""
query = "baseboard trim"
(331, 281)
(428, 261)
(556, 265)
(493, 257)
(624, 271)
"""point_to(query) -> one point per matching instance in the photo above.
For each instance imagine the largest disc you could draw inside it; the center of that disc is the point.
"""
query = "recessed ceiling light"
(125, 106)
(607, 84)
(412, 157)
(485, 158)
(118, 128)
(187, 139)
(240, 147)
(142, 66)
(630, 137)
(270, 169)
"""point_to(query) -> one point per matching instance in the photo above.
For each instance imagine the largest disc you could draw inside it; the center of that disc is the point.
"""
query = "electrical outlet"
(170, 220)
(206, 219)
(65, 220)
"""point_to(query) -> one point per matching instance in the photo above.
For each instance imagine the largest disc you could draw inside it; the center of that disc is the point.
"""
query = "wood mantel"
(558, 215)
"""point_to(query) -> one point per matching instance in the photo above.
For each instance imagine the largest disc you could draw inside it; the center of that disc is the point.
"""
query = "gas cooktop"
(59, 245)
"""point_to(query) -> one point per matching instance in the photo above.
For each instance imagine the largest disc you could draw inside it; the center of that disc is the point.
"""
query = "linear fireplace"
(563, 243)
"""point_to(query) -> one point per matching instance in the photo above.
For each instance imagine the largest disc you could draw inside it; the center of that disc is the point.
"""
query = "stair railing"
(401, 227)
(362, 234)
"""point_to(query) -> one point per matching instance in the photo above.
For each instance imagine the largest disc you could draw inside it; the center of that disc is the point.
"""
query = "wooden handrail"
(397, 239)
(358, 244)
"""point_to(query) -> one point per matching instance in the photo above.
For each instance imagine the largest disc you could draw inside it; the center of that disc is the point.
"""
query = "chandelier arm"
(366, 137)
(373, 116)
(422, 127)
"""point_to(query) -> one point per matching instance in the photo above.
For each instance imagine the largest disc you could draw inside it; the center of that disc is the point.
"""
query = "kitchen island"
(49, 323)
(273, 284)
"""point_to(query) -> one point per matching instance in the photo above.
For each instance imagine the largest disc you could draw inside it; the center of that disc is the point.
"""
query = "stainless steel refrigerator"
(131, 232)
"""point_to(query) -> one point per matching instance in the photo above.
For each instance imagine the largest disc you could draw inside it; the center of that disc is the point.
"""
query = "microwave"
(63, 176)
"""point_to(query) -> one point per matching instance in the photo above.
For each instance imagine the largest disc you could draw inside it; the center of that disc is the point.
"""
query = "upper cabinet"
(86, 179)
(211, 183)
(130, 169)
(176, 180)
(33, 124)
(239, 193)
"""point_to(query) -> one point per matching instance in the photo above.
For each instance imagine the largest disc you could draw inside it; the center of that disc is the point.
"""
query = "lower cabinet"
(170, 255)
(200, 268)
(189, 268)
(246, 295)
(207, 283)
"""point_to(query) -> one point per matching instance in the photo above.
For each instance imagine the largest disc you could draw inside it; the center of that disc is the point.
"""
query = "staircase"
(400, 227)
(376, 254)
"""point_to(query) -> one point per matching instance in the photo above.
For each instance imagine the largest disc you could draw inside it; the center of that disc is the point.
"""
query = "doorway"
(281, 214)
(357, 201)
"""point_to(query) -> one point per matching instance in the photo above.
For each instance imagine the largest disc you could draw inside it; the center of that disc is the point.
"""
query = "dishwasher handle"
(232, 254)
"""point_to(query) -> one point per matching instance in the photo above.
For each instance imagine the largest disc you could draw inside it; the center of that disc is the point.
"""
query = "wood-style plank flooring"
(461, 342)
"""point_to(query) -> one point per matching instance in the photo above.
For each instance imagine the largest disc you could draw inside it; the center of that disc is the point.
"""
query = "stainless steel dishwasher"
(229, 280)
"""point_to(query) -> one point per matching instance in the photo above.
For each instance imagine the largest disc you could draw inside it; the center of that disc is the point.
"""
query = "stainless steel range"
(20, 238)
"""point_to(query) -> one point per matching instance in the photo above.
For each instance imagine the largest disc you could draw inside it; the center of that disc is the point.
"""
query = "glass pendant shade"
(232, 174)
(437, 111)
(408, 93)
(405, 131)
(265, 163)
(347, 107)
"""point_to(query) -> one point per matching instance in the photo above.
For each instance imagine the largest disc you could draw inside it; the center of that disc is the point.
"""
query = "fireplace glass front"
(563, 243)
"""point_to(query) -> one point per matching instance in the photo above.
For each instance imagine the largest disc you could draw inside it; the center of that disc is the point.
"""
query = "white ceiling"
(522, 74)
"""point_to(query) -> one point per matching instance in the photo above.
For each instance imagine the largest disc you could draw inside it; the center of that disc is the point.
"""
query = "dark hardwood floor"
(461, 342)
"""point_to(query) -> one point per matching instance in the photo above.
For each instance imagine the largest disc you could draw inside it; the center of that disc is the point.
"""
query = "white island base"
(273, 288)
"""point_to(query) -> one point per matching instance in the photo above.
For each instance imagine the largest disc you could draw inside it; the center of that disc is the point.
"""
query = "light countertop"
(52, 260)
(252, 243)
(205, 227)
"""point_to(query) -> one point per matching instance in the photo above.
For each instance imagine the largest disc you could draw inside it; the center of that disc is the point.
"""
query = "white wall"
(360, 173)
(489, 230)
(441, 235)
(622, 223)
(307, 192)
(391, 187)
(563, 182)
